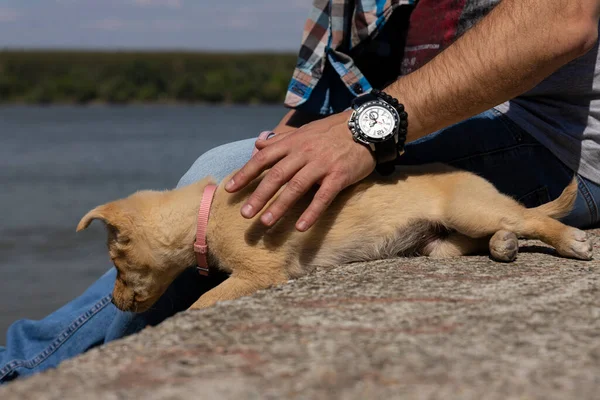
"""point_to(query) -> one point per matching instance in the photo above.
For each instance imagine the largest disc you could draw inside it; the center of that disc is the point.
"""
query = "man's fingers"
(330, 188)
(262, 143)
(277, 176)
(295, 188)
(255, 166)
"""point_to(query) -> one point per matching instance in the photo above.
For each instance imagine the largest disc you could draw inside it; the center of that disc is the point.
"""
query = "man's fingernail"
(302, 226)
(229, 185)
(247, 211)
(267, 218)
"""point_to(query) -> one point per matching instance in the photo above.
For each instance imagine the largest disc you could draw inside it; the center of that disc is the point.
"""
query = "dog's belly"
(408, 240)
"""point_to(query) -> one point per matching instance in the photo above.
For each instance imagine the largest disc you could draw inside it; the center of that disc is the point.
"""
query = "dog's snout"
(123, 304)
(123, 297)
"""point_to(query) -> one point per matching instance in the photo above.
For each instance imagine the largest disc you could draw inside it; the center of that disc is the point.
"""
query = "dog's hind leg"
(483, 211)
(503, 246)
(236, 286)
(454, 245)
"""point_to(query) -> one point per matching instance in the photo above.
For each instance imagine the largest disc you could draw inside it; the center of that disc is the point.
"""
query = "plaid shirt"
(333, 29)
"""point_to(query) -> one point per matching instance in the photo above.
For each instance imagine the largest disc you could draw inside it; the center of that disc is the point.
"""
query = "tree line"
(35, 77)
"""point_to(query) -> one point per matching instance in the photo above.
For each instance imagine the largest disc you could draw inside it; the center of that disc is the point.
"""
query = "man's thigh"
(219, 162)
(492, 146)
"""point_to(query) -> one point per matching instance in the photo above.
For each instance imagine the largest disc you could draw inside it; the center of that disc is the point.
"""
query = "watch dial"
(376, 122)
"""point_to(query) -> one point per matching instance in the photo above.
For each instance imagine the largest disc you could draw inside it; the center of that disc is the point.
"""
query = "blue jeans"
(488, 144)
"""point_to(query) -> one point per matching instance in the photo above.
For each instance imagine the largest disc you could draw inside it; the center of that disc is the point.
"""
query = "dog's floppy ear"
(99, 212)
(115, 218)
(112, 214)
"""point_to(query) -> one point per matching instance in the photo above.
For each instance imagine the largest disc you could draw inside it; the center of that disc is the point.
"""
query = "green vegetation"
(123, 77)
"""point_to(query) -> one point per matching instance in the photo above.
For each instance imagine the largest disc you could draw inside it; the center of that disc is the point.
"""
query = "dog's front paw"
(575, 243)
(205, 301)
(504, 246)
(198, 306)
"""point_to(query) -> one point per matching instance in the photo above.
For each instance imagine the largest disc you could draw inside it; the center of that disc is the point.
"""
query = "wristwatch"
(379, 122)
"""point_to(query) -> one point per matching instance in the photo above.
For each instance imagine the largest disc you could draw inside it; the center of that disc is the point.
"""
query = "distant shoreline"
(143, 77)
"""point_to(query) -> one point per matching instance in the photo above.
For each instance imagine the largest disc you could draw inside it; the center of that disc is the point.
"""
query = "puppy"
(431, 210)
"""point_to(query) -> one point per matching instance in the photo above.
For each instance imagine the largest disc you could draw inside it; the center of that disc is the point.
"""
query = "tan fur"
(431, 210)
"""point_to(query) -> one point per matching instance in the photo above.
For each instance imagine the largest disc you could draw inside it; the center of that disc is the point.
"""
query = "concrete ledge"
(405, 328)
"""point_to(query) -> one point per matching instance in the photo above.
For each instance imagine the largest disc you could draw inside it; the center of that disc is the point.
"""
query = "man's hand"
(321, 152)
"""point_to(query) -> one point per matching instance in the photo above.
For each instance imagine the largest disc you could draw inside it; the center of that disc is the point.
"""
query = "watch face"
(376, 122)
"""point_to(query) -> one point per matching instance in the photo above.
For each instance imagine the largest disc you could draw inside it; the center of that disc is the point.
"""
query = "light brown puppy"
(431, 210)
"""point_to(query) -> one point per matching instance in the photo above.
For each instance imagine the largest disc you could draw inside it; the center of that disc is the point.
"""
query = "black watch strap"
(386, 152)
(385, 169)
(385, 155)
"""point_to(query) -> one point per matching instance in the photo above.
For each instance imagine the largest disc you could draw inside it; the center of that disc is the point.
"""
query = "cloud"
(159, 3)
(8, 15)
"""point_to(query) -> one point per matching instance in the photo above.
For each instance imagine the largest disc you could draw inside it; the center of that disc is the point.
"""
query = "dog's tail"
(563, 205)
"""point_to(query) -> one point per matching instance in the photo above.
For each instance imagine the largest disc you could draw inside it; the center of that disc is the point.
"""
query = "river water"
(56, 163)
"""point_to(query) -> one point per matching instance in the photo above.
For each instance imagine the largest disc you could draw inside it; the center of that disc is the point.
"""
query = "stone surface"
(412, 328)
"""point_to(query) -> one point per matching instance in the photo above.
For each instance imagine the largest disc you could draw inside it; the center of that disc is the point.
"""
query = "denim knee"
(219, 162)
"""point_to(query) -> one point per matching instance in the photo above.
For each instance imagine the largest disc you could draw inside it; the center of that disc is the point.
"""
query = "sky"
(217, 25)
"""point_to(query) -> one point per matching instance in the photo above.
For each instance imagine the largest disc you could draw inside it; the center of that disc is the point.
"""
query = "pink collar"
(201, 247)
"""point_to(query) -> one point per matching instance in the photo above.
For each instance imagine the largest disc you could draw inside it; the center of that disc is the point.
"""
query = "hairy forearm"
(507, 53)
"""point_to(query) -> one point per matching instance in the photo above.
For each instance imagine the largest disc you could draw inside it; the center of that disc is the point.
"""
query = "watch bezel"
(359, 134)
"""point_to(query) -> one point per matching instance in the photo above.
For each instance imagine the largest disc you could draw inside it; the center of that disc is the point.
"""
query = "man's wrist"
(342, 119)
(386, 140)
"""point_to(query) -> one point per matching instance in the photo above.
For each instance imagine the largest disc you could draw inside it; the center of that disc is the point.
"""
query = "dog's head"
(150, 239)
